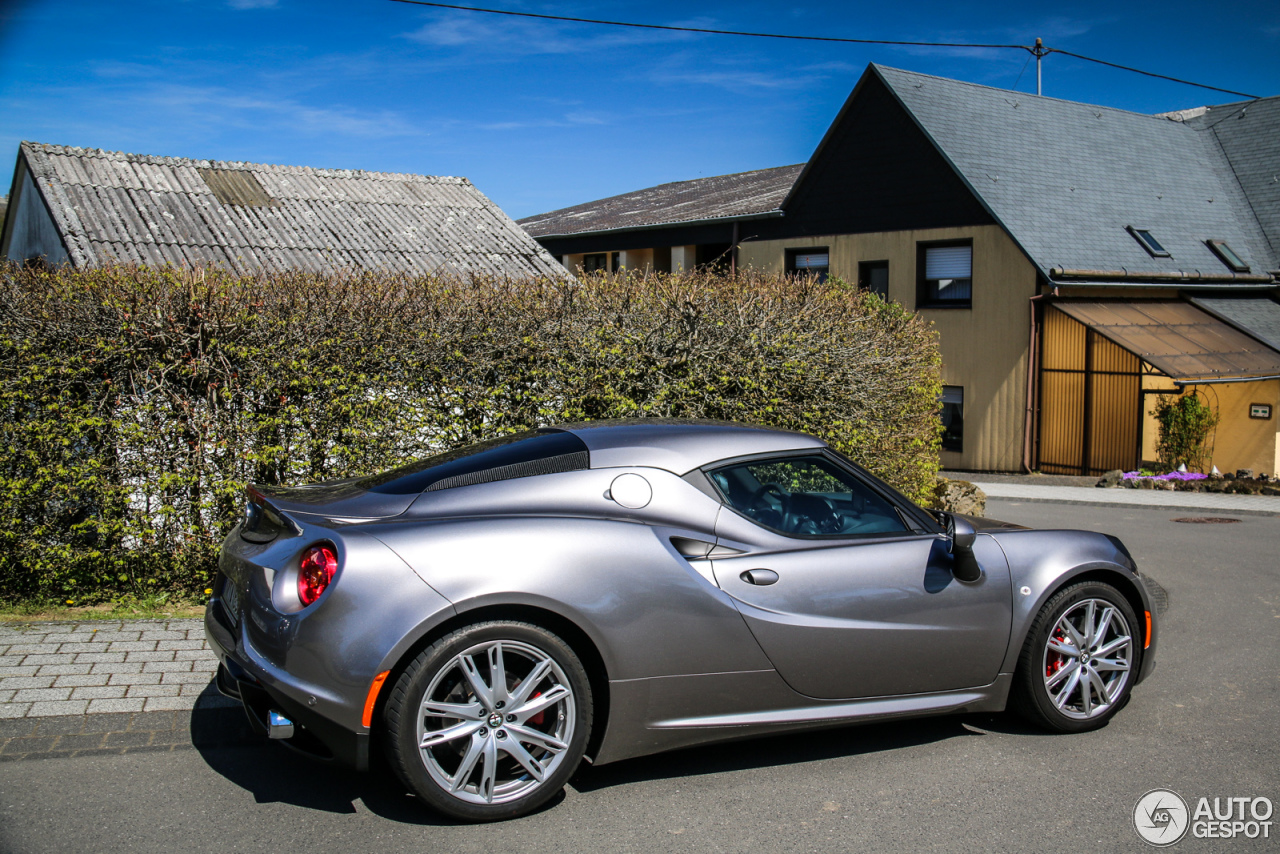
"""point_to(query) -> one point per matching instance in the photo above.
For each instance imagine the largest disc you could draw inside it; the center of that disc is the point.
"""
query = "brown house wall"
(984, 348)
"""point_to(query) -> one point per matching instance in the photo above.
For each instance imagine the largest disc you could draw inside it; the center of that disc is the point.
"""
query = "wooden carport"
(1100, 360)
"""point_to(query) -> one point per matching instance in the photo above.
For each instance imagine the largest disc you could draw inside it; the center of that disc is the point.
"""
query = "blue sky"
(540, 115)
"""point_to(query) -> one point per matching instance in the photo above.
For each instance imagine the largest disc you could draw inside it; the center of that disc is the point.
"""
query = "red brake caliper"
(1057, 659)
(536, 720)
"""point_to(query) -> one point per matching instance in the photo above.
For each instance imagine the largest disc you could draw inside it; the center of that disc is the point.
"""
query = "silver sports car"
(491, 616)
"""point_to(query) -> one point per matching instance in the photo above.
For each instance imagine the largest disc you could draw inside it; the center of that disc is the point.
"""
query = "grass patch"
(155, 608)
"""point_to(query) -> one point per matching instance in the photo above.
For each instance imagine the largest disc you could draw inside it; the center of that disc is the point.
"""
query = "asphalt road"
(1205, 724)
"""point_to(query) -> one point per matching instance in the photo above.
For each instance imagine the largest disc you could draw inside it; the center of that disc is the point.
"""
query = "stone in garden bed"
(1241, 482)
(1112, 479)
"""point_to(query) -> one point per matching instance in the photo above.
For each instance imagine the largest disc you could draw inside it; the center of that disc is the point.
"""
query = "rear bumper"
(259, 692)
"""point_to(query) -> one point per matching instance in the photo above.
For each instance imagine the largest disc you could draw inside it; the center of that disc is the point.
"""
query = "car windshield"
(805, 496)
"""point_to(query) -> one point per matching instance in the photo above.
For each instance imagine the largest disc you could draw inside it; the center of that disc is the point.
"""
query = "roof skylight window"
(1148, 241)
(1228, 256)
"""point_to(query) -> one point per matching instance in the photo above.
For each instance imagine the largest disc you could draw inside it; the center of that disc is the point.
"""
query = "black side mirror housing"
(961, 533)
(961, 536)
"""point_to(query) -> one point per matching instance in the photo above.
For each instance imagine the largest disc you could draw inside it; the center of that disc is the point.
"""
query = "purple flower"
(1173, 475)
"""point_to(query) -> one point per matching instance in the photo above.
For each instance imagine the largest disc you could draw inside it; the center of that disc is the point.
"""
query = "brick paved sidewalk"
(57, 669)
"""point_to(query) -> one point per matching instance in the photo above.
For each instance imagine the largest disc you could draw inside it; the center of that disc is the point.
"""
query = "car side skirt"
(646, 720)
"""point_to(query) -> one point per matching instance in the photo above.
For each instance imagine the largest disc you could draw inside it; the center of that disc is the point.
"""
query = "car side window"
(806, 496)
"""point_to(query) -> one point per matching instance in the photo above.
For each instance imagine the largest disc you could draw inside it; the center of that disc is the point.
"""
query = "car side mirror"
(960, 536)
(960, 533)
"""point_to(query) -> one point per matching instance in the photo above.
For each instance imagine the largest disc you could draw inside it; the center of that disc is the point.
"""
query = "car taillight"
(316, 570)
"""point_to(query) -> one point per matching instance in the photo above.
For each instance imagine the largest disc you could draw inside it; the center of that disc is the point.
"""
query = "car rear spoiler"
(263, 520)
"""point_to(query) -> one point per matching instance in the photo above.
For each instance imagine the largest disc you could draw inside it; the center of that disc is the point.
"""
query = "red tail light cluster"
(316, 570)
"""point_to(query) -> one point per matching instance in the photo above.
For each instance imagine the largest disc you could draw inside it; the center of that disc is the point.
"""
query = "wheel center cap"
(495, 720)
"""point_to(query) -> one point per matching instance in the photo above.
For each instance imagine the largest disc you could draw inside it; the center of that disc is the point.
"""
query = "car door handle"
(759, 576)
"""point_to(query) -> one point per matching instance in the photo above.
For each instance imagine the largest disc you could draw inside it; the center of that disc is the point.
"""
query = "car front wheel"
(489, 722)
(1080, 659)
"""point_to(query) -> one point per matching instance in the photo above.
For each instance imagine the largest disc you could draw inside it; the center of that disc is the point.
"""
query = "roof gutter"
(1224, 380)
(1123, 275)
(774, 214)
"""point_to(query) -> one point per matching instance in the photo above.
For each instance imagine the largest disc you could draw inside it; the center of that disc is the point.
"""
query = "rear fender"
(326, 655)
(647, 609)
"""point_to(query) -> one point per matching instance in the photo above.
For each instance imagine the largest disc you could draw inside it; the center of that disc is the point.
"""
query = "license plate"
(231, 600)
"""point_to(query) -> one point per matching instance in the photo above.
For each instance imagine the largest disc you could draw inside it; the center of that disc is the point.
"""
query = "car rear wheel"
(1080, 659)
(489, 721)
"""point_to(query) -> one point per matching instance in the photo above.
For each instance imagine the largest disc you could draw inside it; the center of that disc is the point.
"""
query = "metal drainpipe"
(1028, 418)
(733, 252)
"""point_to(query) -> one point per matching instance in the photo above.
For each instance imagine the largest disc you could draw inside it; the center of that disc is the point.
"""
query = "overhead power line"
(1152, 73)
(787, 36)
(697, 29)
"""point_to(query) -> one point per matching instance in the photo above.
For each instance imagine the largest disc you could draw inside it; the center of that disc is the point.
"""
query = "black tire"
(1082, 708)
(477, 792)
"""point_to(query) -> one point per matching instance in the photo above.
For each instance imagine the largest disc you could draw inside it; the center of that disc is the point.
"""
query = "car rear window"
(524, 454)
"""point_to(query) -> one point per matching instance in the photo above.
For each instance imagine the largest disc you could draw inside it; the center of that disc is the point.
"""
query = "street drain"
(1206, 520)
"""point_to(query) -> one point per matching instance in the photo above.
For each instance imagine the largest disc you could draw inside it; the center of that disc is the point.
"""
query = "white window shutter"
(811, 260)
(948, 262)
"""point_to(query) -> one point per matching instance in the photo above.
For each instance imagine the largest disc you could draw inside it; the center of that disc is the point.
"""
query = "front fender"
(1043, 562)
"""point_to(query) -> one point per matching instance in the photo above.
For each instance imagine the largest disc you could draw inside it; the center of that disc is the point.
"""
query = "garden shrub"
(137, 403)
(1185, 425)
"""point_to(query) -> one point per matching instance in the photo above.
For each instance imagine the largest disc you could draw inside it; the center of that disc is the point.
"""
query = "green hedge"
(137, 403)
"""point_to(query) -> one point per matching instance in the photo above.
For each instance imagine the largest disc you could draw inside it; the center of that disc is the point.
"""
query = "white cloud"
(736, 73)
(583, 118)
(257, 109)
(568, 120)
(161, 109)
(1065, 28)
(735, 80)
(515, 36)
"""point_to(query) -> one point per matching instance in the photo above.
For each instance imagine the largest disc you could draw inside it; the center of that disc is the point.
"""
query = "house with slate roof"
(1076, 260)
(87, 207)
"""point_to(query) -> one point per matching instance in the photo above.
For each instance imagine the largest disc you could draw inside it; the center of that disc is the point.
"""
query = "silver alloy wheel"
(1087, 659)
(495, 722)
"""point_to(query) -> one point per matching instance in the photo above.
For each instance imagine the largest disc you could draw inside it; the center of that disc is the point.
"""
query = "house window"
(874, 276)
(814, 261)
(1227, 256)
(952, 401)
(594, 262)
(1148, 241)
(944, 274)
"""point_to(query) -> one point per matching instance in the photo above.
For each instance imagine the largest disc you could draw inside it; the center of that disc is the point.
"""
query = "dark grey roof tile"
(1065, 178)
(1258, 316)
(742, 194)
(1249, 135)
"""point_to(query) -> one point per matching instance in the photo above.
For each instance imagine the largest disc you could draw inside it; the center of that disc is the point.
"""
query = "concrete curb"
(1215, 510)
(115, 733)
(1253, 505)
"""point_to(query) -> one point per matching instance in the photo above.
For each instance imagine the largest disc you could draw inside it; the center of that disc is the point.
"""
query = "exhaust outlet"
(278, 726)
